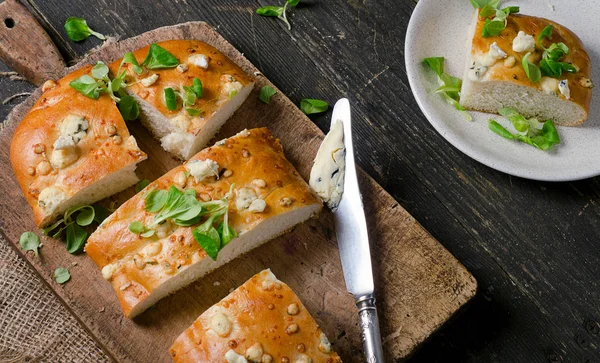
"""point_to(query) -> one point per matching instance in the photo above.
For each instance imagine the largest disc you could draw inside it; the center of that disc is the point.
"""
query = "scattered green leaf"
(479, 4)
(197, 87)
(30, 241)
(86, 216)
(500, 130)
(531, 70)
(100, 213)
(310, 106)
(449, 86)
(279, 12)
(266, 93)
(78, 30)
(546, 33)
(193, 111)
(156, 200)
(493, 27)
(100, 70)
(137, 227)
(530, 131)
(209, 241)
(131, 59)
(226, 234)
(159, 58)
(141, 185)
(129, 108)
(189, 96)
(61, 275)
(87, 86)
(170, 98)
(76, 237)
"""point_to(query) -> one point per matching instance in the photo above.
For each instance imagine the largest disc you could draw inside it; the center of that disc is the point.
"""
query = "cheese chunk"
(327, 173)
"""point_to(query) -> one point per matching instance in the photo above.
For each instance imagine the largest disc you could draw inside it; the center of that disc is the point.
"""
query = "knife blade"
(353, 242)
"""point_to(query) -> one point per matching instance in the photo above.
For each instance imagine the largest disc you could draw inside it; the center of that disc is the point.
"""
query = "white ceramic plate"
(438, 28)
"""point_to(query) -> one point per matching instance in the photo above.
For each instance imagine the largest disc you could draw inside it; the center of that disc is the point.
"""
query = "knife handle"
(369, 326)
(25, 46)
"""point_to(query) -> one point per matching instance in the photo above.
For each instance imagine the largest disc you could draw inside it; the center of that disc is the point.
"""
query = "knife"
(353, 243)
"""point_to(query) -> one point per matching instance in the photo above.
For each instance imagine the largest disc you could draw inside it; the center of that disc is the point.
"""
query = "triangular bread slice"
(495, 78)
(269, 197)
(71, 150)
(225, 87)
(261, 321)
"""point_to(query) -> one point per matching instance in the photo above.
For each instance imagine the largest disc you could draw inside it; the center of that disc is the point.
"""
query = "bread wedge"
(261, 321)
(71, 150)
(495, 78)
(225, 87)
(268, 198)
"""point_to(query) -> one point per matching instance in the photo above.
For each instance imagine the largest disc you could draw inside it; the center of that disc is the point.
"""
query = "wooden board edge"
(122, 46)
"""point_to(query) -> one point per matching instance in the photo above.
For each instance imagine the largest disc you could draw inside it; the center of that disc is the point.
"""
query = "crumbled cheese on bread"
(50, 198)
(202, 169)
(523, 42)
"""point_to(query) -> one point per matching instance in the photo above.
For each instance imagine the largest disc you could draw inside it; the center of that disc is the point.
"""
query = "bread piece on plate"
(72, 150)
(269, 197)
(261, 321)
(225, 87)
(494, 76)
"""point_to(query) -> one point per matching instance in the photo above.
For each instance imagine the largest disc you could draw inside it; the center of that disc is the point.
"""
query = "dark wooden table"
(532, 246)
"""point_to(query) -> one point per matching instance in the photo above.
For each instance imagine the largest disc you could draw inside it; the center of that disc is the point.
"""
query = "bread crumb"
(216, 283)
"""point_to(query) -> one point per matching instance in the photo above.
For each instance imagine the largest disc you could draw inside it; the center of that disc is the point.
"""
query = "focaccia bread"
(495, 78)
(225, 87)
(72, 150)
(268, 198)
(261, 321)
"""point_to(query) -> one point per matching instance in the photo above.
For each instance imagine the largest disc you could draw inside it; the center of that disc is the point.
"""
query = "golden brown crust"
(249, 156)
(213, 79)
(106, 148)
(533, 26)
(263, 315)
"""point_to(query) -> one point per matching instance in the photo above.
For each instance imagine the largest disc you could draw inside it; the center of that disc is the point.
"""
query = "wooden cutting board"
(419, 284)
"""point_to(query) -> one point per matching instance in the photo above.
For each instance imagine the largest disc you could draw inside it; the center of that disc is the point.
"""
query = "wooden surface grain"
(532, 246)
(419, 284)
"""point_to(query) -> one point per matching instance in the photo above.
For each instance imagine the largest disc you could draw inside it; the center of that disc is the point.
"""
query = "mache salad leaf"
(448, 86)
(184, 209)
(70, 227)
(530, 131)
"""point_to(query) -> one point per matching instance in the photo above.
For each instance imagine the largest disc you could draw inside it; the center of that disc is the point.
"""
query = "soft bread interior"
(180, 143)
(493, 95)
(110, 184)
(263, 232)
(489, 96)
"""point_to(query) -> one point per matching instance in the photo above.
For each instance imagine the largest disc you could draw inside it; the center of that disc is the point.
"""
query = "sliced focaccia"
(185, 125)
(495, 77)
(261, 321)
(147, 252)
(72, 150)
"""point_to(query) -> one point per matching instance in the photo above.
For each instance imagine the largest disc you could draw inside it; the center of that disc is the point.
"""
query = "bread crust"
(250, 156)
(259, 318)
(106, 149)
(213, 78)
(516, 74)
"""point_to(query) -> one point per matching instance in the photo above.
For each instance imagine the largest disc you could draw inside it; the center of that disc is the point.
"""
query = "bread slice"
(71, 150)
(494, 77)
(269, 198)
(261, 321)
(225, 87)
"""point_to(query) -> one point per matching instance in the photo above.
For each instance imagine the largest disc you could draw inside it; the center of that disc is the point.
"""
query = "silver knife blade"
(350, 222)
